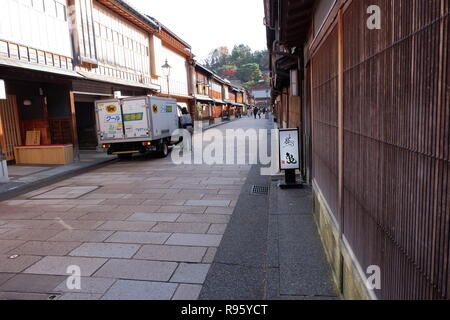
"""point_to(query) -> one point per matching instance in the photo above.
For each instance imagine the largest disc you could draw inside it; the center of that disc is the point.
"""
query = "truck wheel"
(163, 150)
(125, 156)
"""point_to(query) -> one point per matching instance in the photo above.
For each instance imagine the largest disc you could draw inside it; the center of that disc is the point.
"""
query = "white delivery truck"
(137, 125)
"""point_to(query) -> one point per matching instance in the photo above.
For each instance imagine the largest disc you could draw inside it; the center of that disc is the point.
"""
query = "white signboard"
(289, 149)
(2, 90)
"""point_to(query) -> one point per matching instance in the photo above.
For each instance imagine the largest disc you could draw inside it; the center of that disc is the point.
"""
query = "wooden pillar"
(73, 117)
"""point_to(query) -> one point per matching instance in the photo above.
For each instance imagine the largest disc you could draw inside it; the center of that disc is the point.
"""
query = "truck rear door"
(109, 120)
(164, 116)
(135, 118)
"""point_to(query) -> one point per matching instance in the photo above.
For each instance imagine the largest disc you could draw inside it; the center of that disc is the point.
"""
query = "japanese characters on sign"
(289, 149)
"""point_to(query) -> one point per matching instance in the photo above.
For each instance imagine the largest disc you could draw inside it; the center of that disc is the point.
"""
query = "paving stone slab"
(171, 253)
(204, 218)
(209, 256)
(41, 248)
(220, 210)
(88, 285)
(5, 277)
(31, 283)
(60, 265)
(200, 240)
(80, 296)
(105, 216)
(18, 264)
(103, 196)
(29, 234)
(82, 236)
(182, 209)
(66, 192)
(137, 270)
(17, 296)
(140, 290)
(179, 227)
(183, 196)
(160, 202)
(154, 217)
(105, 250)
(8, 245)
(139, 237)
(28, 224)
(208, 203)
(191, 273)
(15, 215)
(127, 226)
(187, 292)
(69, 215)
(67, 224)
(217, 229)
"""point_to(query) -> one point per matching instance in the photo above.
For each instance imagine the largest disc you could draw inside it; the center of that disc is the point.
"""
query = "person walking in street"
(255, 112)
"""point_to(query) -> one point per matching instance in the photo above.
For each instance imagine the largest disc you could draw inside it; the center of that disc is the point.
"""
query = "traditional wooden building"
(204, 99)
(232, 96)
(217, 93)
(112, 51)
(367, 83)
(58, 56)
(36, 62)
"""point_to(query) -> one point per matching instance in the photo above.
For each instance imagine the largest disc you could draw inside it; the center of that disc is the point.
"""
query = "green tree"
(242, 54)
(249, 72)
(242, 63)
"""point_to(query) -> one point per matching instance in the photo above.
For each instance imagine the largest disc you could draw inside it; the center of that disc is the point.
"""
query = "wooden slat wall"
(9, 126)
(325, 119)
(396, 203)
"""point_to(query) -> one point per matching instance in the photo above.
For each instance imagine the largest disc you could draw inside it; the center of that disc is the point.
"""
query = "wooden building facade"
(368, 84)
(58, 57)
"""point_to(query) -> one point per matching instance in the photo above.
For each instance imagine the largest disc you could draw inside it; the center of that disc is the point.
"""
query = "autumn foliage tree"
(241, 64)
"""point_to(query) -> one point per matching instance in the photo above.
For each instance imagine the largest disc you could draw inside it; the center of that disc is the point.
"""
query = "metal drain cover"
(260, 190)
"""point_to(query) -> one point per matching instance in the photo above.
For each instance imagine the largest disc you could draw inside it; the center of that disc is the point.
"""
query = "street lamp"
(166, 70)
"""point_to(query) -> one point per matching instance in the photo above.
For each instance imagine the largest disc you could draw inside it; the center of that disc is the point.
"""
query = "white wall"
(179, 74)
(119, 42)
(40, 26)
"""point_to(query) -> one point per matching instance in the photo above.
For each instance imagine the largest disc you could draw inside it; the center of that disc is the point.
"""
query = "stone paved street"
(139, 229)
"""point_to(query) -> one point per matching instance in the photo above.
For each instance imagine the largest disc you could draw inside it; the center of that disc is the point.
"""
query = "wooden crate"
(51, 154)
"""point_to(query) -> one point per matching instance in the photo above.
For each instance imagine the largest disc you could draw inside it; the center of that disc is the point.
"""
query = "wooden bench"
(44, 154)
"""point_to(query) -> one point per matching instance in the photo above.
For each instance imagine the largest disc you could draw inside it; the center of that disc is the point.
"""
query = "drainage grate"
(260, 190)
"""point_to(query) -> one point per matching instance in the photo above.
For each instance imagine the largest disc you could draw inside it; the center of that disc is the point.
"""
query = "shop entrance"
(86, 125)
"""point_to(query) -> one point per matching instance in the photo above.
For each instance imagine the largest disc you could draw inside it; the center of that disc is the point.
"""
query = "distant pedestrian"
(255, 112)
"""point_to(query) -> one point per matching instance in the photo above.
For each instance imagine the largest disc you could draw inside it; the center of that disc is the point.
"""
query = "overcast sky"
(208, 24)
